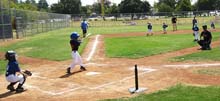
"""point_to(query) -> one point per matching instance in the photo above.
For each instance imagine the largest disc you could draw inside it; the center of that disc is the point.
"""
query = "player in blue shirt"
(84, 27)
(13, 72)
(196, 32)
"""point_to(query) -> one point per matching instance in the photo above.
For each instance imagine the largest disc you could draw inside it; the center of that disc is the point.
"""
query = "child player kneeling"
(77, 60)
(13, 73)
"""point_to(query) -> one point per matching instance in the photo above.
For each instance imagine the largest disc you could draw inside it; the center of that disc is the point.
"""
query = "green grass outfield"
(141, 46)
(207, 55)
(179, 93)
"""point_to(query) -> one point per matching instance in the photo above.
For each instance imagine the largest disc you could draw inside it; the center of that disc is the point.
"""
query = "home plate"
(93, 73)
(133, 90)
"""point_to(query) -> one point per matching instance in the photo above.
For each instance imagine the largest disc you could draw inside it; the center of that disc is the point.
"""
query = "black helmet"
(10, 56)
(204, 26)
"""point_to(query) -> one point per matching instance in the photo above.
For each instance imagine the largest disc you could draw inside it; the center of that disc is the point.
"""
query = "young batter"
(77, 60)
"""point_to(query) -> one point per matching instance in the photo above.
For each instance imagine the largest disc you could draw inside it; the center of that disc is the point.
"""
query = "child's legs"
(12, 78)
(196, 35)
(76, 59)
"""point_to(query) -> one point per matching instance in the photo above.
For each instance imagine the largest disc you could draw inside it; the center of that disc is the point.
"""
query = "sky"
(90, 2)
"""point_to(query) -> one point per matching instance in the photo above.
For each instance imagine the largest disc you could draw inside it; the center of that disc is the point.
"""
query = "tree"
(146, 6)
(166, 5)
(67, 7)
(205, 4)
(57, 8)
(164, 8)
(28, 2)
(42, 5)
(184, 5)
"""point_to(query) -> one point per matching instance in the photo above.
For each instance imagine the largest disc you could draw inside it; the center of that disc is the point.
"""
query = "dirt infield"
(107, 77)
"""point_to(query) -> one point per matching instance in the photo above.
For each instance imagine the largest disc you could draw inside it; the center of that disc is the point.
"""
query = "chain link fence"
(22, 23)
(28, 22)
(141, 19)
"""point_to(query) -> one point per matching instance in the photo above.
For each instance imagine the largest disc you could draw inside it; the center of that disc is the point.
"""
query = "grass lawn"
(179, 93)
(53, 45)
(136, 47)
(213, 55)
(2, 66)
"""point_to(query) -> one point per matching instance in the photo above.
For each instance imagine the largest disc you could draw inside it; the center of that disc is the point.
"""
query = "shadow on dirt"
(67, 75)
(9, 93)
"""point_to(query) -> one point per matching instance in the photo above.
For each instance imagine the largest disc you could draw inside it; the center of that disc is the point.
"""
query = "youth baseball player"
(84, 27)
(149, 27)
(206, 37)
(196, 32)
(77, 60)
(14, 73)
(212, 25)
(164, 28)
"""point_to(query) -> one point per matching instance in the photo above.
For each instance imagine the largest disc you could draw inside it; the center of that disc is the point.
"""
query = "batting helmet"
(10, 55)
(74, 35)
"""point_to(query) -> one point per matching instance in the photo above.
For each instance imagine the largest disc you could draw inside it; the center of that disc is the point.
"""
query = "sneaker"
(68, 70)
(11, 88)
(82, 68)
(19, 89)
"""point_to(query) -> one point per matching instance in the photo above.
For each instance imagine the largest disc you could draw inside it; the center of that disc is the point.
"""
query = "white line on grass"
(93, 48)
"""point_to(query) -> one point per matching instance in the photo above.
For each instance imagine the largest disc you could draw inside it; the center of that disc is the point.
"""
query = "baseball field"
(169, 65)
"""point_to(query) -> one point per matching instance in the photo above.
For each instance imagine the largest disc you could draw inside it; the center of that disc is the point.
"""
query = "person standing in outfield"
(206, 37)
(212, 25)
(77, 60)
(164, 28)
(196, 32)
(194, 21)
(84, 27)
(174, 21)
(13, 73)
(149, 27)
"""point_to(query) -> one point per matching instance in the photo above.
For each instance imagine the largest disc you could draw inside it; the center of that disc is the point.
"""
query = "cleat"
(11, 88)
(82, 68)
(68, 70)
(19, 90)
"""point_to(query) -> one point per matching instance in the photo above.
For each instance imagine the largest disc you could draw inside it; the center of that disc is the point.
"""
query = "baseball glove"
(27, 72)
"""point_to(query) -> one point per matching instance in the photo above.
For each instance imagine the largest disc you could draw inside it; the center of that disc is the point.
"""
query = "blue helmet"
(74, 35)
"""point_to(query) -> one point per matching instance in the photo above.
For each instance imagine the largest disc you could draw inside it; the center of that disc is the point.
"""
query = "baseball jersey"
(84, 25)
(74, 44)
(174, 20)
(207, 36)
(12, 68)
(164, 26)
(212, 24)
(149, 26)
(194, 21)
(196, 28)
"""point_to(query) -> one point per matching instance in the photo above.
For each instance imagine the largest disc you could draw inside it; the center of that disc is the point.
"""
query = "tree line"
(125, 6)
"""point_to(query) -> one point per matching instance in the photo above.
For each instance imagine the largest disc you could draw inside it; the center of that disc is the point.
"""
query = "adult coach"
(84, 27)
(206, 37)
(194, 21)
(174, 20)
